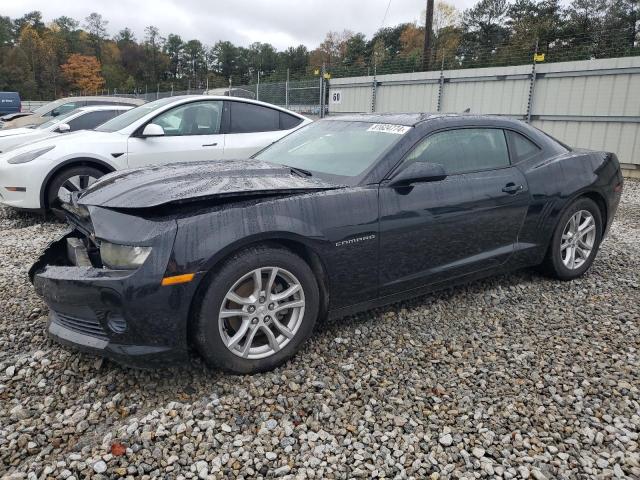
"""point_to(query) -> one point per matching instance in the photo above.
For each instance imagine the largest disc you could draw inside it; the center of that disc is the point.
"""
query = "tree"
(333, 48)
(224, 58)
(6, 31)
(262, 57)
(195, 56)
(411, 39)
(619, 31)
(444, 15)
(295, 59)
(31, 19)
(356, 50)
(152, 48)
(82, 72)
(97, 29)
(125, 37)
(484, 31)
(30, 43)
(173, 48)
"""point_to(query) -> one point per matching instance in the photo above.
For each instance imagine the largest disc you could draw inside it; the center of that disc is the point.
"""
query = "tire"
(557, 263)
(216, 328)
(62, 177)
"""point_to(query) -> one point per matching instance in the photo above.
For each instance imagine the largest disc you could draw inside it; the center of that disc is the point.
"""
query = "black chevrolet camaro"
(239, 259)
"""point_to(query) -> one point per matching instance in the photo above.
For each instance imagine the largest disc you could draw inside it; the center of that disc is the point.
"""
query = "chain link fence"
(302, 96)
(455, 53)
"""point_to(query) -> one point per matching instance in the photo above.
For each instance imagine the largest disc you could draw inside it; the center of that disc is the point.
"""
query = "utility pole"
(428, 37)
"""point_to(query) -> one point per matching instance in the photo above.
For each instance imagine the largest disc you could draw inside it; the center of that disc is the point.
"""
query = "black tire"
(208, 338)
(60, 178)
(553, 264)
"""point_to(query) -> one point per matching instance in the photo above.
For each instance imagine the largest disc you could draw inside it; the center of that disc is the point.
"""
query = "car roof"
(238, 99)
(97, 108)
(413, 119)
(93, 98)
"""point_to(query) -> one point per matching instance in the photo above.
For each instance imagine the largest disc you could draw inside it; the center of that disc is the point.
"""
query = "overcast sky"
(282, 23)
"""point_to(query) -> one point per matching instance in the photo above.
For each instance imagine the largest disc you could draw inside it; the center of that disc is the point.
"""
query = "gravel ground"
(517, 376)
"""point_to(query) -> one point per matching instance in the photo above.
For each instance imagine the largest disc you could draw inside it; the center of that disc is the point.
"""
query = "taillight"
(618, 188)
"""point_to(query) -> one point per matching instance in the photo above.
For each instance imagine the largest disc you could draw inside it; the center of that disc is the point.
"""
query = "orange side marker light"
(176, 279)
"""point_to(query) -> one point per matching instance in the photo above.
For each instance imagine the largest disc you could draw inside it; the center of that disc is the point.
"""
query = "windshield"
(47, 107)
(334, 147)
(130, 116)
(57, 119)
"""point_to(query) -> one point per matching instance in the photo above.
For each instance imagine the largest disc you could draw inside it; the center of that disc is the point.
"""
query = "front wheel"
(67, 181)
(575, 241)
(259, 308)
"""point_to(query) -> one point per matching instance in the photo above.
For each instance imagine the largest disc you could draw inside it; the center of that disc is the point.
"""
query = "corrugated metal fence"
(589, 104)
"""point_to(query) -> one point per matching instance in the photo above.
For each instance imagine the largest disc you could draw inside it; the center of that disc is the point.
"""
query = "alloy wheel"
(75, 184)
(578, 239)
(261, 312)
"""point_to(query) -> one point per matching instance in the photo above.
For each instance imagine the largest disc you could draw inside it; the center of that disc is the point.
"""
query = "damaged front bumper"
(124, 315)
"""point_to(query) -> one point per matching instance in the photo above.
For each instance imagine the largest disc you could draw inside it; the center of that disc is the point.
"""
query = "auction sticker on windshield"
(388, 128)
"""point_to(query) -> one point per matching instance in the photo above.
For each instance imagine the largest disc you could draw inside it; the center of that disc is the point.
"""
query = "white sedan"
(174, 129)
(85, 118)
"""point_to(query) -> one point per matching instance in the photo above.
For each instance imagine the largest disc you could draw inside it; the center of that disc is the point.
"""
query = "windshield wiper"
(300, 171)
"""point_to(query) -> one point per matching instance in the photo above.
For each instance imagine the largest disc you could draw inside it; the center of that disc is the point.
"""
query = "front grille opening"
(86, 326)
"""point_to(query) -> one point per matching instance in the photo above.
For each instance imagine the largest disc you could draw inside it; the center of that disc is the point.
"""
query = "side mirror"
(418, 172)
(153, 130)
(63, 128)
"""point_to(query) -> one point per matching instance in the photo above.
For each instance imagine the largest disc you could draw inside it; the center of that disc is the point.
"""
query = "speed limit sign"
(336, 97)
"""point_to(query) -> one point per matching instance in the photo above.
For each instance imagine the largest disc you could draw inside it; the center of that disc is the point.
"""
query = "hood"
(183, 182)
(16, 131)
(29, 139)
(79, 137)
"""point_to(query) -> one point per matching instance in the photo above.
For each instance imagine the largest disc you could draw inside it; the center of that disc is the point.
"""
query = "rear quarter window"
(521, 147)
(288, 121)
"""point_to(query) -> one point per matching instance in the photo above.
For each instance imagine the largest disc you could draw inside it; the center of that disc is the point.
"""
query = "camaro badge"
(355, 240)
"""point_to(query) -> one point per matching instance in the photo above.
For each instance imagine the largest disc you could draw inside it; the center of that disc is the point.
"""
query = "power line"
(386, 12)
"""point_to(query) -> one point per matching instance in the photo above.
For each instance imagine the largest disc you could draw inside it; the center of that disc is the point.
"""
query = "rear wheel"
(67, 181)
(259, 308)
(575, 241)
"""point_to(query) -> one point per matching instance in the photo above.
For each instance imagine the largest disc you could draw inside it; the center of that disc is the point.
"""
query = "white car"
(174, 129)
(59, 107)
(85, 118)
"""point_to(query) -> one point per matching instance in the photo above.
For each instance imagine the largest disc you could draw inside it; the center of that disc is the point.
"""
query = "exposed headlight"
(28, 156)
(123, 257)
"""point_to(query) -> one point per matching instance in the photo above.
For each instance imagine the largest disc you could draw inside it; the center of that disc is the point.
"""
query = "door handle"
(512, 188)
(210, 144)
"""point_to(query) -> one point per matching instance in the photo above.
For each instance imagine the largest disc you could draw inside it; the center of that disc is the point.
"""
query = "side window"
(62, 109)
(522, 147)
(101, 102)
(90, 120)
(198, 118)
(288, 121)
(248, 118)
(463, 150)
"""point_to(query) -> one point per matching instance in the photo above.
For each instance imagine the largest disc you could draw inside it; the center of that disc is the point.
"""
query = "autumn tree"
(412, 39)
(82, 72)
